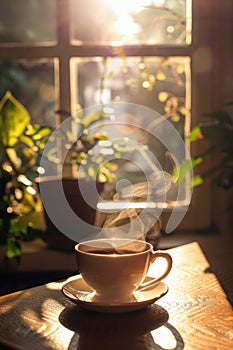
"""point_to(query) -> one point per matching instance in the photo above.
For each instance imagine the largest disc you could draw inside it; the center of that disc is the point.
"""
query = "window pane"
(27, 21)
(131, 22)
(155, 82)
(161, 84)
(32, 83)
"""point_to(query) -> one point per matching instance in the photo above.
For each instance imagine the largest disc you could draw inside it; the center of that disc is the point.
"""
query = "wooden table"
(194, 314)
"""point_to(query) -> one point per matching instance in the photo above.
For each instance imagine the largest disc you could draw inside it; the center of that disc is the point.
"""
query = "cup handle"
(154, 256)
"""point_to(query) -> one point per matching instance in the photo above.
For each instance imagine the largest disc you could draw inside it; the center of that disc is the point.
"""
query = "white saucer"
(81, 294)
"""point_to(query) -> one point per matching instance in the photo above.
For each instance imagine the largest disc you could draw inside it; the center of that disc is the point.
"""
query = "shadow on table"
(120, 331)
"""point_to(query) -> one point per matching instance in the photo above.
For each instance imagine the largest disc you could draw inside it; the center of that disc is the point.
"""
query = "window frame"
(63, 51)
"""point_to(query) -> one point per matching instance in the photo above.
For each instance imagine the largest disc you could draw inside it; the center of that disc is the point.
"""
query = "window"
(61, 53)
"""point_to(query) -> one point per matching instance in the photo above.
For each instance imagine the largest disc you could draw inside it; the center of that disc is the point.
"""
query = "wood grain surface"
(195, 314)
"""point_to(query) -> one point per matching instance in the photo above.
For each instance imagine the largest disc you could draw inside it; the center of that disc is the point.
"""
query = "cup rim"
(77, 250)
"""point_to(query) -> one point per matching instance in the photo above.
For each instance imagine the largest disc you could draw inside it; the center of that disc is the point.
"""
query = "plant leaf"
(196, 180)
(184, 168)
(13, 248)
(14, 118)
(93, 118)
(13, 158)
(27, 140)
(195, 134)
(41, 133)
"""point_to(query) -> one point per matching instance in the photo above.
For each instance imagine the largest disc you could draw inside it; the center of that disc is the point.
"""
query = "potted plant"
(21, 148)
(214, 162)
(21, 144)
(218, 132)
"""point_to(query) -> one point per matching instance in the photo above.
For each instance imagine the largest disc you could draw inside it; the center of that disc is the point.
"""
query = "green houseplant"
(217, 132)
(21, 144)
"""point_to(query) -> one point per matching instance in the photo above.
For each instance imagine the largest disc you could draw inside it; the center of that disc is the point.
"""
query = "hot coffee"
(109, 252)
(113, 246)
(115, 268)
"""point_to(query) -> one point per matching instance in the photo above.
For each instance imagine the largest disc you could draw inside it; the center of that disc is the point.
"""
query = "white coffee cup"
(115, 268)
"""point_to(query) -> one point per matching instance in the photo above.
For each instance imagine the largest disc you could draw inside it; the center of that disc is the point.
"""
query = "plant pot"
(55, 238)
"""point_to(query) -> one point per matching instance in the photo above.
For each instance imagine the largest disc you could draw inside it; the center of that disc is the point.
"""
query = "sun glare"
(125, 25)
